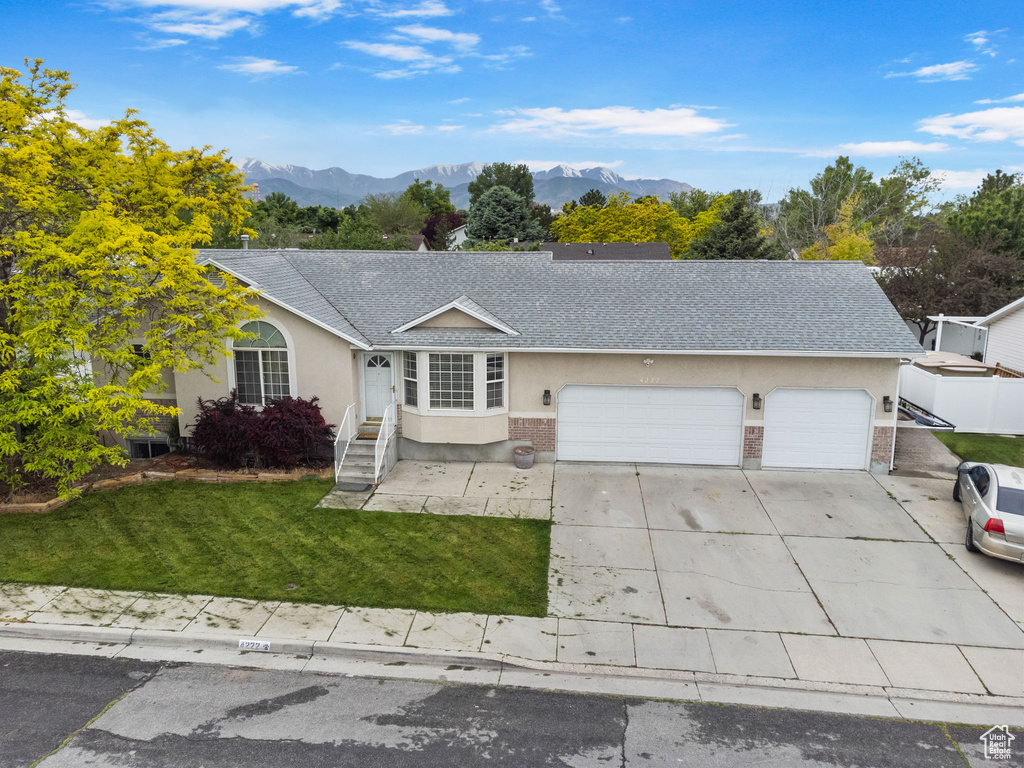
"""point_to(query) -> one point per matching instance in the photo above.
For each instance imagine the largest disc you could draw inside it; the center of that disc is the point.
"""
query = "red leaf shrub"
(285, 433)
(292, 431)
(224, 430)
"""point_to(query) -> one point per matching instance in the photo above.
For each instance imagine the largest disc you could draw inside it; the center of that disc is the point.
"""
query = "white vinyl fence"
(973, 404)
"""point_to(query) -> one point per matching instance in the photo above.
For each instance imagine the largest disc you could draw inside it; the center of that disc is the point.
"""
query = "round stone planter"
(523, 456)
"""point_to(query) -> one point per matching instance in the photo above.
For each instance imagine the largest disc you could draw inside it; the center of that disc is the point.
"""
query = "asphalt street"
(74, 711)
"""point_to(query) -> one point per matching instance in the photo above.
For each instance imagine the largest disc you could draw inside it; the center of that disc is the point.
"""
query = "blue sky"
(720, 95)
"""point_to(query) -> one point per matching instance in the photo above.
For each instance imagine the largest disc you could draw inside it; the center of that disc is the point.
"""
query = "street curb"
(635, 682)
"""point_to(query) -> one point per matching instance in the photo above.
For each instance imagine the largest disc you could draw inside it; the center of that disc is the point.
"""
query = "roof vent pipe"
(245, 242)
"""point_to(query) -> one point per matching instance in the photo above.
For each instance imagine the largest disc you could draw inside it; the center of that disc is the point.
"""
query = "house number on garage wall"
(650, 380)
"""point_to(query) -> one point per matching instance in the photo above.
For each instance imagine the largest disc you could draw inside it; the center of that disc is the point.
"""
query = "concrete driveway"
(822, 553)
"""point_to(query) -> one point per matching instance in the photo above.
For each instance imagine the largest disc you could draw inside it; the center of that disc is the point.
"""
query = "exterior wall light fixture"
(757, 402)
(887, 404)
(547, 397)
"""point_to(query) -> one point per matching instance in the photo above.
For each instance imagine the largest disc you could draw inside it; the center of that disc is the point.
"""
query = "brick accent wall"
(163, 424)
(753, 439)
(881, 445)
(540, 432)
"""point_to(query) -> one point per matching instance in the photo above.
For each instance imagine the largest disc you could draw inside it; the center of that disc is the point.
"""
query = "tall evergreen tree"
(737, 236)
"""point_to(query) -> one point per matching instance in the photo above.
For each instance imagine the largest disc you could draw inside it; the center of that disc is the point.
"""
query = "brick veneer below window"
(753, 438)
(540, 432)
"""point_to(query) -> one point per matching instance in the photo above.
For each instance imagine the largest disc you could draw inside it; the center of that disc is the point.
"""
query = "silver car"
(993, 499)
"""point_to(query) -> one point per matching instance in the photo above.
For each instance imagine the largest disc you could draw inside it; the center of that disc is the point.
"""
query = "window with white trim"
(411, 379)
(451, 381)
(261, 365)
(496, 381)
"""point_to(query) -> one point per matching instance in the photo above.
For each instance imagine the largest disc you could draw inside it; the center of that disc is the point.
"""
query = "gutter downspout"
(896, 415)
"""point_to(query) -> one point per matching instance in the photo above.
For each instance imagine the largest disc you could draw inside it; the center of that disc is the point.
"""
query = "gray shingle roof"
(743, 306)
(602, 251)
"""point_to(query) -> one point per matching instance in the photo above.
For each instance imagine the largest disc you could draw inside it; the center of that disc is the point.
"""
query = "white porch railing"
(346, 431)
(387, 429)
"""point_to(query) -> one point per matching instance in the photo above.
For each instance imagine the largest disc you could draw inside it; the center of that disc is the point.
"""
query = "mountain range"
(336, 187)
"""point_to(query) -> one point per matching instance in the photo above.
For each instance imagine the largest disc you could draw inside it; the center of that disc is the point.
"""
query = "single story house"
(729, 363)
(1004, 345)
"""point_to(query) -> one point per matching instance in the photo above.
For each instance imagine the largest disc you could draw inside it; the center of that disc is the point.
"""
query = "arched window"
(261, 365)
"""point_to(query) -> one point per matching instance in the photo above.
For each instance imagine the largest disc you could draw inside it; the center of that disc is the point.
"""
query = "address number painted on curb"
(253, 645)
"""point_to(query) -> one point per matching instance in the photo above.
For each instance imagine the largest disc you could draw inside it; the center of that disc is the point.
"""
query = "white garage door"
(674, 425)
(817, 428)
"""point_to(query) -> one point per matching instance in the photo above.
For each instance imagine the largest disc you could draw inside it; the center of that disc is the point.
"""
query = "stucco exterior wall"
(531, 373)
(469, 430)
(321, 365)
(454, 318)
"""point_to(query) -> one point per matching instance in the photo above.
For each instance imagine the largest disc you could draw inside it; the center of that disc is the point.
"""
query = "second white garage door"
(817, 428)
(674, 425)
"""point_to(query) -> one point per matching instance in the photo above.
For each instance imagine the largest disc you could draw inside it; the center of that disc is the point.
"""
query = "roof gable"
(1002, 312)
(457, 313)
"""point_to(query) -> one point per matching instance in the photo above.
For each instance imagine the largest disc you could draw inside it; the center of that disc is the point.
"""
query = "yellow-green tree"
(846, 240)
(96, 235)
(647, 220)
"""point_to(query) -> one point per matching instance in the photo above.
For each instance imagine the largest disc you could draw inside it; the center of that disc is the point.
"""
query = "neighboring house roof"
(603, 251)
(747, 307)
(1010, 308)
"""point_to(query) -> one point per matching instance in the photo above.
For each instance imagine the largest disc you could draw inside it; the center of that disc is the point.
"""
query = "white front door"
(675, 425)
(377, 384)
(817, 428)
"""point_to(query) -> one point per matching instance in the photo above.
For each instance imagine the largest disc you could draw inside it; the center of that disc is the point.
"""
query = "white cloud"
(425, 9)
(418, 60)
(879, 149)
(462, 41)
(954, 70)
(982, 41)
(1007, 100)
(215, 19)
(617, 120)
(961, 179)
(551, 8)
(996, 124)
(547, 165)
(155, 45)
(403, 128)
(80, 118)
(450, 127)
(259, 68)
(209, 26)
(505, 57)
(463, 100)
(528, 18)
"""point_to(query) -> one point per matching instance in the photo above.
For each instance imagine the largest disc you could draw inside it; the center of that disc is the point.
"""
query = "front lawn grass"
(254, 540)
(987, 449)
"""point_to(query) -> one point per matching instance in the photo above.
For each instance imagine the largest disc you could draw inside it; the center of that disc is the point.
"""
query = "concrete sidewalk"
(920, 681)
